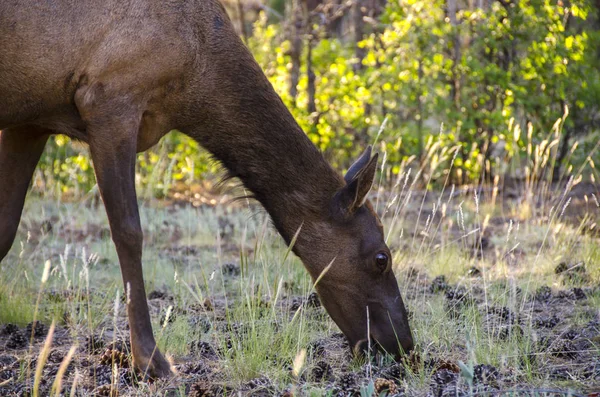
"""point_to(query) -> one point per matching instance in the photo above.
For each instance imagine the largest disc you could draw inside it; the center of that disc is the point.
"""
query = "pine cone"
(413, 361)
(485, 374)
(543, 293)
(111, 356)
(439, 284)
(93, 344)
(313, 300)
(106, 390)
(208, 305)
(382, 385)
(231, 269)
(202, 388)
(444, 382)
(348, 385)
(16, 341)
(203, 348)
(321, 372)
(448, 365)
(38, 329)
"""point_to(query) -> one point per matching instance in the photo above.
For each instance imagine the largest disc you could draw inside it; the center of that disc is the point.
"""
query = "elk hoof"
(154, 366)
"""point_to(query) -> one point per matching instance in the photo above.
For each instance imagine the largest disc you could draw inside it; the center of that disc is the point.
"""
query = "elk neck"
(246, 126)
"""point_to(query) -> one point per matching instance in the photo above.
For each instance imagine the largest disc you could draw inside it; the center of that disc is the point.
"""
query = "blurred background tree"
(466, 76)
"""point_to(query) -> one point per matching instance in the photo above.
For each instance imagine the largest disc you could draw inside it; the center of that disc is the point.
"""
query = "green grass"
(183, 255)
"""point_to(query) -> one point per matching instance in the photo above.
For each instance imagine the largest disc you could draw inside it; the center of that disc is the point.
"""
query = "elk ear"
(359, 180)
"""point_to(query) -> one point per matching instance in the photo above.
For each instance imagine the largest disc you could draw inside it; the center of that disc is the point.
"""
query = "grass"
(259, 341)
(84, 280)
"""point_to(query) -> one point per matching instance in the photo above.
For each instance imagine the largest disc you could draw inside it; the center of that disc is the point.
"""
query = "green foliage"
(66, 167)
(523, 61)
(468, 82)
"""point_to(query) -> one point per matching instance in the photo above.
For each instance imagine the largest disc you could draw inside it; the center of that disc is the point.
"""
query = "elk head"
(352, 266)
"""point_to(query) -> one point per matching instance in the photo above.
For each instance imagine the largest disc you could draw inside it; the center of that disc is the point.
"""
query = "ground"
(503, 293)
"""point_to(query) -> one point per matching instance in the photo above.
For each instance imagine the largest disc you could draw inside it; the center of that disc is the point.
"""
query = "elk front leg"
(113, 153)
(20, 151)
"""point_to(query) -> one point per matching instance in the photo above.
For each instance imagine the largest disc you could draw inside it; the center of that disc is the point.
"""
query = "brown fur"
(119, 75)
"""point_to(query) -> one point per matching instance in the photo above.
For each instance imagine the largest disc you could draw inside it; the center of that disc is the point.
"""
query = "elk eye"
(381, 259)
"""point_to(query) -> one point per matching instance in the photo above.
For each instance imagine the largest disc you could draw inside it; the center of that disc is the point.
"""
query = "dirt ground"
(554, 320)
(567, 350)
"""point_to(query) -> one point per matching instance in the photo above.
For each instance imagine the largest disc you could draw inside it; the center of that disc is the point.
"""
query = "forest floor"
(503, 293)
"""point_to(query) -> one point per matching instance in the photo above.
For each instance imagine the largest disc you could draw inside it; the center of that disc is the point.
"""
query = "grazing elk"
(119, 75)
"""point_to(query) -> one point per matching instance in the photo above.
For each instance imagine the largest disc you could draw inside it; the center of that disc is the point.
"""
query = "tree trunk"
(242, 20)
(452, 9)
(296, 47)
(359, 30)
(311, 89)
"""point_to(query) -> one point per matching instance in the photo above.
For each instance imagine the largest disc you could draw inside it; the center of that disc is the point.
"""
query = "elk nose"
(392, 343)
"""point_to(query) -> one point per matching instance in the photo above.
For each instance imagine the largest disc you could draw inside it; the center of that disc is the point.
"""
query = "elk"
(119, 75)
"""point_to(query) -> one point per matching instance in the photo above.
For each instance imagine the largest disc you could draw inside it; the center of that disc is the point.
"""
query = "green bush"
(469, 84)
